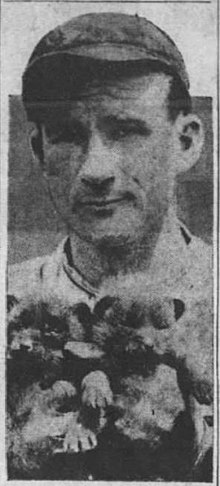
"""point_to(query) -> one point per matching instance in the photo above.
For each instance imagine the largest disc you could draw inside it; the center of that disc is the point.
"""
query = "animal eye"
(53, 326)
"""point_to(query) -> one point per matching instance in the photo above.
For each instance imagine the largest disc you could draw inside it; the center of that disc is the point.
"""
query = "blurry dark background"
(33, 227)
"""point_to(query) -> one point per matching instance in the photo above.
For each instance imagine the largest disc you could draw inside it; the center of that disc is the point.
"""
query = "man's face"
(108, 159)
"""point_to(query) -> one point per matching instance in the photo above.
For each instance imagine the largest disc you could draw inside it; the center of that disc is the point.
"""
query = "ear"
(166, 311)
(36, 143)
(188, 141)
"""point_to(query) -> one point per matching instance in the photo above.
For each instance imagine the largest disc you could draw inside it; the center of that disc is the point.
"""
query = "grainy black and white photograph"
(110, 181)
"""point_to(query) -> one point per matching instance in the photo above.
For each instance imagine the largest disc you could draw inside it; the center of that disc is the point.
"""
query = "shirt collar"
(169, 254)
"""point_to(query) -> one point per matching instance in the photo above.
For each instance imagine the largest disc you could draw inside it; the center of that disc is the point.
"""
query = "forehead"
(133, 97)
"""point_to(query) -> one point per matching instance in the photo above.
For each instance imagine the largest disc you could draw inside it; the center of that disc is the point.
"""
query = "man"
(108, 95)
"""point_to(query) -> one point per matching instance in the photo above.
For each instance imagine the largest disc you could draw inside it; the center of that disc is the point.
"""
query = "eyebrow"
(140, 125)
(55, 127)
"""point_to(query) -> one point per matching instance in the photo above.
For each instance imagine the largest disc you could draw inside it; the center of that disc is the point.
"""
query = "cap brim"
(61, 74)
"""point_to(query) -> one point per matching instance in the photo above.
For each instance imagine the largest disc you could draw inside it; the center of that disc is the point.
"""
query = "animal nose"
(26, 346)
(148, 337)
(149, 342)
(18, 347)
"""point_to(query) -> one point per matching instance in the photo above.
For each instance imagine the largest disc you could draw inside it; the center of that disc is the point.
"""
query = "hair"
(63, 82)
(179, 99)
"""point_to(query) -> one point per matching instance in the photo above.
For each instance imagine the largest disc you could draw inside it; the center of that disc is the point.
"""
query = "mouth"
(102, 206)
(102, 203)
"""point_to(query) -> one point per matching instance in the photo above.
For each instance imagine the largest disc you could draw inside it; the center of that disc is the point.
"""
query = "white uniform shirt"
(180, 260)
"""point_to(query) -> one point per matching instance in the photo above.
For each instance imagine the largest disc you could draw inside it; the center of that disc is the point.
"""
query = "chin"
(115, 240)
(112, 231)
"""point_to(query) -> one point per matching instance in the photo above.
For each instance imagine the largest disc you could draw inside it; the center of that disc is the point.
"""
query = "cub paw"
(63, 396)
(78, 439)
(62, 388)
(96, 390)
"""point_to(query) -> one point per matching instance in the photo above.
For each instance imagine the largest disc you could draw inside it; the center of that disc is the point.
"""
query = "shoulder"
(196, 252)
(199, 266)
(26, 277)
(35, 276)
(44, 278)
(186, 260)
(200, 255)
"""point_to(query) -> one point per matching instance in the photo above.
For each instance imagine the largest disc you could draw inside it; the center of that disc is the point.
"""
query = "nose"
(97, 185)
(98, 172)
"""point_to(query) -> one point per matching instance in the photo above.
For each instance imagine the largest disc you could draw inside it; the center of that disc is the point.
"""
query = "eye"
(126, 129)
(69, 134)
(123, 132)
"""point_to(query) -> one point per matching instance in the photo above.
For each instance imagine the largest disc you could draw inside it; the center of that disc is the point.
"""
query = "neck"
(100, 262)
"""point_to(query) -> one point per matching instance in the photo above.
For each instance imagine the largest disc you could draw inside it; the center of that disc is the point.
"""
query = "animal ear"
(104, 306)
(179, 308)
(83, 313)
(11, 302)
(165, 311)
(111, 310)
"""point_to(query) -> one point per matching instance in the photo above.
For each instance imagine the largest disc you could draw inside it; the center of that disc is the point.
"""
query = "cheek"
(62, 166)
(62, 161)
(148, 163)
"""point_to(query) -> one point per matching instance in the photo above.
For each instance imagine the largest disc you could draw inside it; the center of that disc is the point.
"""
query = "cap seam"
(70, 52)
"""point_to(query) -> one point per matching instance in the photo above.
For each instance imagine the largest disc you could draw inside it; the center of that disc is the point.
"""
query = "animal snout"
(26, 346)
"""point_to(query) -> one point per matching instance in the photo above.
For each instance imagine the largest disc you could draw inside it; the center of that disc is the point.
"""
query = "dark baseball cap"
(69, 53)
